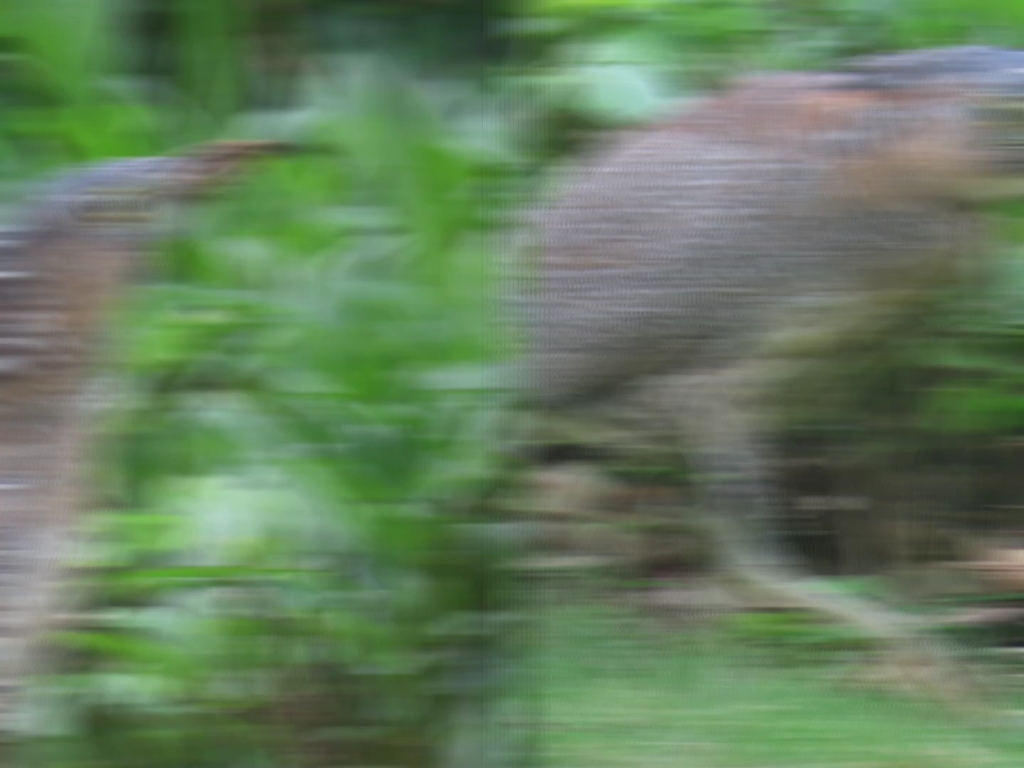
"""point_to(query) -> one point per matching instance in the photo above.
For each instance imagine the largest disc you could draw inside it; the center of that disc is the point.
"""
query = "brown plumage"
(62, 265)
(686, 260)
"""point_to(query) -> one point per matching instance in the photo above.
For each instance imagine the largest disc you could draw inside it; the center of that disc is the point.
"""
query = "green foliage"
(608, 62)
(792, 638)
(798, 638)
(977, 362)
(302, 419)
(304, 409)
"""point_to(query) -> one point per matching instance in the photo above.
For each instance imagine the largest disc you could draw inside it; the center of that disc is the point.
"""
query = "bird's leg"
(40, 452)
(740, 505)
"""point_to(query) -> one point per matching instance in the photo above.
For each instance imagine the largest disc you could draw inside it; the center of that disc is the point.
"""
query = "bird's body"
(767, 222)
(63, 263)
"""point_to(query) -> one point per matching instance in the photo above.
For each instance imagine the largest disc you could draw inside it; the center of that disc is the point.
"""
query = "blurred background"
(298, 556)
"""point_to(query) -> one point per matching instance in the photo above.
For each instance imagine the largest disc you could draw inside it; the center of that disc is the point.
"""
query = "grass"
(620, 690)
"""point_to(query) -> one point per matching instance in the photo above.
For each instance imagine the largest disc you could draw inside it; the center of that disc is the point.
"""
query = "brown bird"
(683, 271)
(61, 267)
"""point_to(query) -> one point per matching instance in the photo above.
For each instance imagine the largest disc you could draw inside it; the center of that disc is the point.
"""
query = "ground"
(620, 689)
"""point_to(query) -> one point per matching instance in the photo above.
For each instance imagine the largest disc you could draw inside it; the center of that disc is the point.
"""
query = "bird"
(66, 260)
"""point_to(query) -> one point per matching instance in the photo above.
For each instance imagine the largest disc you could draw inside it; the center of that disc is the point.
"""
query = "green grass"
(621, 690)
